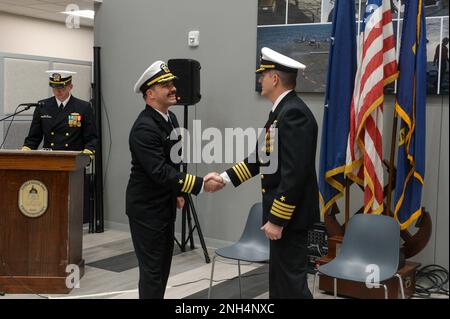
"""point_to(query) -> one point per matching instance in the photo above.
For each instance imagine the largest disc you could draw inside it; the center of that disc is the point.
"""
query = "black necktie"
(61, 106)
(169, 120)
(269, 120)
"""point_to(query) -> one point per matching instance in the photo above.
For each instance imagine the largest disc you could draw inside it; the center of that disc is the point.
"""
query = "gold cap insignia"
(165, 68)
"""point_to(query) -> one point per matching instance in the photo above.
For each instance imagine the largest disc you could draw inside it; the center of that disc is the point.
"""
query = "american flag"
(377, 67)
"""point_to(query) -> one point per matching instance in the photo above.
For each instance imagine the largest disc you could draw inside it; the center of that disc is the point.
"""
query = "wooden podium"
(41, 219)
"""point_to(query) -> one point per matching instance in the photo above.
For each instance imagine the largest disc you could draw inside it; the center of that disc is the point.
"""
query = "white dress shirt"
(64, 103)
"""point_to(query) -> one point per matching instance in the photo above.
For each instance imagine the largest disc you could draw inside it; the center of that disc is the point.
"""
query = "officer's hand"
(88, 152)
(272, 231)
(180, 202)
(25, 148)
(213, 182)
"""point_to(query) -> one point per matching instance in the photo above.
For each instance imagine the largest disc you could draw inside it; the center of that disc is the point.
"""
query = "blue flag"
(410, 106)
(338, 98)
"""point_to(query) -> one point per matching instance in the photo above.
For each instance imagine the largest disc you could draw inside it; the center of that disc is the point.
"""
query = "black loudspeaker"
(188, 82)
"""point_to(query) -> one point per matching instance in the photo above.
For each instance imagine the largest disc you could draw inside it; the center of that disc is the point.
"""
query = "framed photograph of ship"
(271, 12)
(437, 55)
(301, 29)
(307, 43)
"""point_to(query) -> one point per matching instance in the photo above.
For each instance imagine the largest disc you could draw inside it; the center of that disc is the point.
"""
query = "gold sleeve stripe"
(281, 212)
(283, 209)
(238, 173)
(278, 215)
(191, 183)
(245, 171)
(191, 187)
(241, 171)
(284, 205)
(187, 181)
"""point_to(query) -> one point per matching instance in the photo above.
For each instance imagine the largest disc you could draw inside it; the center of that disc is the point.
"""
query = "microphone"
(28, 105)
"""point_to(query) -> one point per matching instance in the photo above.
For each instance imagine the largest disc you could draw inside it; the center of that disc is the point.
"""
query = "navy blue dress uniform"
(71, 128)
(154, 184)
(67, 128)
(290, 195)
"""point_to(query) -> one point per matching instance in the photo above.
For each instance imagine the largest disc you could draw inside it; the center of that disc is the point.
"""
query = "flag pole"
(347, 201)
(387, 211)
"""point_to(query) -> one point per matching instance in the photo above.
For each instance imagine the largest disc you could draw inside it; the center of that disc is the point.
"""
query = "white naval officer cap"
(272, 60)
(158, 72)
(60, 78)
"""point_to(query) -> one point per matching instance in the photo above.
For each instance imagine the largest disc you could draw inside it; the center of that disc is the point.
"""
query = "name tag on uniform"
(46, 116)
(74, 120)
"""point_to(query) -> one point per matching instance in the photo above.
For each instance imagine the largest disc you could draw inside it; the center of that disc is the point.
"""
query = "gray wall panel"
(17, 133)
(432, 173)
(442, 222)
(25, 82)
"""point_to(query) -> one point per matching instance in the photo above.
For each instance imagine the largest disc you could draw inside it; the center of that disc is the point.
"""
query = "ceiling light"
(88, 14)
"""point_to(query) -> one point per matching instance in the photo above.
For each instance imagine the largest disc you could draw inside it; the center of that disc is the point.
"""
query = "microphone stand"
(27, 107)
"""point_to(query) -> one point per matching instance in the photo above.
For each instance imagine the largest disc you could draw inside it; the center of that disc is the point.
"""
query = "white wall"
(24, 35)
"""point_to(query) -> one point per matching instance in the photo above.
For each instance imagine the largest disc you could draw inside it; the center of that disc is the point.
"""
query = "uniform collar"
(58, 102)
(278, 100)
(160, 119)
(164, 115)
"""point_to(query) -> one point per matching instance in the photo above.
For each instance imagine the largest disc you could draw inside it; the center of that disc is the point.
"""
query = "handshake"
(213, 182)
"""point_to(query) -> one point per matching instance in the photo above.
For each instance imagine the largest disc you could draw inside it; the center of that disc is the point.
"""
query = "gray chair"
(253, 246)
(371, 242)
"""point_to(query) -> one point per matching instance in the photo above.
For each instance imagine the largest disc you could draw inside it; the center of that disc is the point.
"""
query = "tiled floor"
(111, 273)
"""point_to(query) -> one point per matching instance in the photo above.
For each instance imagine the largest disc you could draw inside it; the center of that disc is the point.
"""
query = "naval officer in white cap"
(64, 122)
(290, 195)
(156, 185)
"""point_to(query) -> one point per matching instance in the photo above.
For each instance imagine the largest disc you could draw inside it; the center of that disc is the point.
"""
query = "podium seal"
(33, 198)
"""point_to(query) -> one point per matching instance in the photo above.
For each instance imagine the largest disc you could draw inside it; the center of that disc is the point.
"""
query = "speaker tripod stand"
(188, 213)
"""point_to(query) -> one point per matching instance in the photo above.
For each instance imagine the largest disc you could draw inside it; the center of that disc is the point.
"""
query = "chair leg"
(400, 280)
(385, 291)
(335, 287)
(211, 279)
(239, 272)
(316, 275)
